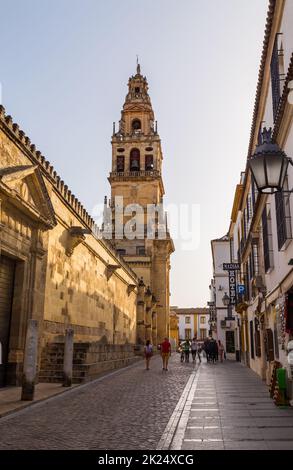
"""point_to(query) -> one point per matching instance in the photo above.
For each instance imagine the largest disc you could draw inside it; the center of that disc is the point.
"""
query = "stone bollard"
(30, 361)
(68, 358)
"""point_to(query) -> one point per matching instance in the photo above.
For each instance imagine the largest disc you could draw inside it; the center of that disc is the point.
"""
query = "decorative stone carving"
(130, 288)
(111, 268)
(26, 189)
(75, 237)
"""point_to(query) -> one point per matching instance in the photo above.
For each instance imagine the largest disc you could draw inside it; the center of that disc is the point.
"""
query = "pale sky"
(64, 67)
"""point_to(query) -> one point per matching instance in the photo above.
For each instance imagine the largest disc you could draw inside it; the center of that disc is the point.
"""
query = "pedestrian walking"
(193, 349)
(213, 351)
(148, 352)
(199, 352)
(187, 351)
(221, 350)
(165, 352)
(207, 349)
(181, 353)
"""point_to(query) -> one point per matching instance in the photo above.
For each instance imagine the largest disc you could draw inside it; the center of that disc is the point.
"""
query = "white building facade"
(226, 329)
(261, 229)
(193, 323)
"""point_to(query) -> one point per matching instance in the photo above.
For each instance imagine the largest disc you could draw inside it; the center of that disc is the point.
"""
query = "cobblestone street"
(125, 410)
(213, 407)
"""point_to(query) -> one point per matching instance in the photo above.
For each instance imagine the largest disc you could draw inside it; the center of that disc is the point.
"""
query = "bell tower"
(136, 176)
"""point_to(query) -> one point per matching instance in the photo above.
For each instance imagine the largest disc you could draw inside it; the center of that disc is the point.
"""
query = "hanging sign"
(231, 266)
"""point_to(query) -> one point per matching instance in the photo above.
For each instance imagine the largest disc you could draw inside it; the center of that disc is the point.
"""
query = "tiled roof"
(283, 99)
(268, 27)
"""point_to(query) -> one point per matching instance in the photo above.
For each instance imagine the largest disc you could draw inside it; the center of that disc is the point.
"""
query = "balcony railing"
(135, 174)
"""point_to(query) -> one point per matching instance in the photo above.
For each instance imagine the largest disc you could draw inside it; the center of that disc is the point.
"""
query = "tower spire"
(137, 66)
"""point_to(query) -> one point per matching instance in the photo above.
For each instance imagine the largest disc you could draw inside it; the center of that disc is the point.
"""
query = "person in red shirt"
(165, 352)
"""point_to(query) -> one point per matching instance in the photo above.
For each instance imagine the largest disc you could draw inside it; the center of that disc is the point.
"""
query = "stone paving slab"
(10, 397)
(231, 409)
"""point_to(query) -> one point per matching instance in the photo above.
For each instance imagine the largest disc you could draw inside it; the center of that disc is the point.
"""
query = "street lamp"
(269, 164)
(226, 299)
(226, 302)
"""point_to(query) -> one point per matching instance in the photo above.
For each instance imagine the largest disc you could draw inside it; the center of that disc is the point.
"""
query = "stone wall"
(65, 274)
(89, 360)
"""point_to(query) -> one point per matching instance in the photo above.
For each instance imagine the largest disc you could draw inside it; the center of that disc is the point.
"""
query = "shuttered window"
(257, 338)
(289, 313)
(275, 78)
(267, 239)
(283, 216)
(269, 344)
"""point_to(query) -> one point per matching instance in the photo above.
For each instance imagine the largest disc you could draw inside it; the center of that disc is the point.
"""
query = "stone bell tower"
(137, 177)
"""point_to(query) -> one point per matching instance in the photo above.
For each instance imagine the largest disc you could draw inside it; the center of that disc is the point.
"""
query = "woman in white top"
(148, 352)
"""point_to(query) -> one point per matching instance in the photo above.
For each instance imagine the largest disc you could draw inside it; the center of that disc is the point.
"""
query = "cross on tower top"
(137, 66)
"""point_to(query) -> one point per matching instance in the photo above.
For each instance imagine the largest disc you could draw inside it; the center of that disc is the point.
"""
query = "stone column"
(68, 358)
(140, 332)
(154, 321)
(148, 324)
(30, 361)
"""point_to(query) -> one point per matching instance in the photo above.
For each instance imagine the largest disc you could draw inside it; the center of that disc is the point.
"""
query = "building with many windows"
(260, 233)
(193, 322)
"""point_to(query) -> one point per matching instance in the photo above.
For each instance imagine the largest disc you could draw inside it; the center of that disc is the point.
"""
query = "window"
(269, 344)
(276, 343)
(121, 251)
(203, 333)
(202, 319)
(120, 163)
(244, 224)
(137, 89)
(275, 77)
(289, 313)
(187, 319)
(249, 212)
(134, 160)
(188, 333)
(267, 238)
(254, 261)
(253, 194)
(247, 281)
(149, 162)
(283, 216)
(136, 125)
(140, 250)
(257, 338)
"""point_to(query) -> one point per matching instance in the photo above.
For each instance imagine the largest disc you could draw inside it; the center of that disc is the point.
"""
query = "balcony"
(135, 174)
